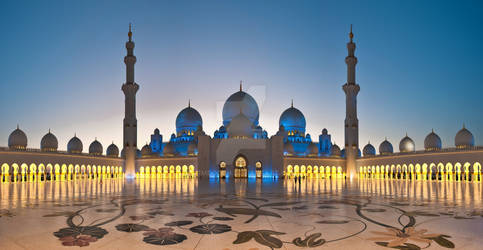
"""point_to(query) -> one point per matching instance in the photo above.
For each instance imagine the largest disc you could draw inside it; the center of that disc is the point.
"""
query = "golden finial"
(189, 103)
(291, 104)
(351, 35)
(129, 34)
(241, 82)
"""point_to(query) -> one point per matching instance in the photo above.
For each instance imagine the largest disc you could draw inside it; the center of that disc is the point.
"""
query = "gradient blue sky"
(420, 65)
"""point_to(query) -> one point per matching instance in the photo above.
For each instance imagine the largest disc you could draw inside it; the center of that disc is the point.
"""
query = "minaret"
(351, 122)
(130, 123)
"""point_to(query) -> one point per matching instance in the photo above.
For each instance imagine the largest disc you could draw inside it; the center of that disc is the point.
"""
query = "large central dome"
(240, 102)
(188, 120)
(292, 120)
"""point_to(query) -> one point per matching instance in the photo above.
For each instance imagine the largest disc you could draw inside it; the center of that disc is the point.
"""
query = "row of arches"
(172, 171)
(51, 172)
(313, 171)
(432, 171)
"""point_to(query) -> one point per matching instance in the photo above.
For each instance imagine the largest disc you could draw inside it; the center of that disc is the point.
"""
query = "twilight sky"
(420, 66)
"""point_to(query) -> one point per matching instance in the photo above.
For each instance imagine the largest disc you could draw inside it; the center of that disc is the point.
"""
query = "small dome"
(240, 127)
(324, 131)
(188, 120)
(240, 101)
(335, 151)
(385, 148)
(168, 149)
(146, 151)
(49, 143)
(292, 120)
(369, 150)
(74, 146)
(192, 148)
(312, 150)
(138, 153)
(112, 150)
(288, 149)
(432, 142)
(17, 140)
(464, 139)
(407, 145)
(95, 148)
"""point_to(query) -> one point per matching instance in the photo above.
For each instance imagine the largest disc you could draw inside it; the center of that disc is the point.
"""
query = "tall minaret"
(130, 123)
(351, 122)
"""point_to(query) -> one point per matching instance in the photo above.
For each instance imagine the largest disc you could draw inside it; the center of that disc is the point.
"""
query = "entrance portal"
(241, 170)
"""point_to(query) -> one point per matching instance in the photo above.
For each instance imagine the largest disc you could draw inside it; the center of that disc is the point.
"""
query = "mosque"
(241, 148)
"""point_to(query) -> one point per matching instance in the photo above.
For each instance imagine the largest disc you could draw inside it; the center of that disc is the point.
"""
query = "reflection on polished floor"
(241, 214)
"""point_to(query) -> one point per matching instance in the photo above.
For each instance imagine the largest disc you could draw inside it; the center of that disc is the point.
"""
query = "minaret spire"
(351, 123)
(351, 35)
(130, 87)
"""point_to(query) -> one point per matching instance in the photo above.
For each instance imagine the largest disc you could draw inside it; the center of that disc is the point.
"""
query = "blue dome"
(240, 101)
(369, 150)
(292, 119)
(188, 119)
(385, 148)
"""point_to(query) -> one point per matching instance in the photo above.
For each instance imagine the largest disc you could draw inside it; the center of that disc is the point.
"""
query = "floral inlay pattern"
(264, 221)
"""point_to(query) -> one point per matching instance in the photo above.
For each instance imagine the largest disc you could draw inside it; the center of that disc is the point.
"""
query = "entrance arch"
(241, 170)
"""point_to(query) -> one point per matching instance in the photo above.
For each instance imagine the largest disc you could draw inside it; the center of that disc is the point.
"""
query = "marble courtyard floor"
(241, 214)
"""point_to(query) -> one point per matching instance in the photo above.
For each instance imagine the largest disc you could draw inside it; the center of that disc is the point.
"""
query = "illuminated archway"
(296, 171)
(441, 172)
(241, 170)
(258, 169)
(303, 171)
(184, 171)
(191, 169)
(433, 171)
(457, 169)
(477, 171)
(289, 171)
(5, 172)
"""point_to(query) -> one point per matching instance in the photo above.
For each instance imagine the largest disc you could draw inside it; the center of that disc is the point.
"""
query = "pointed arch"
(5, 169)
